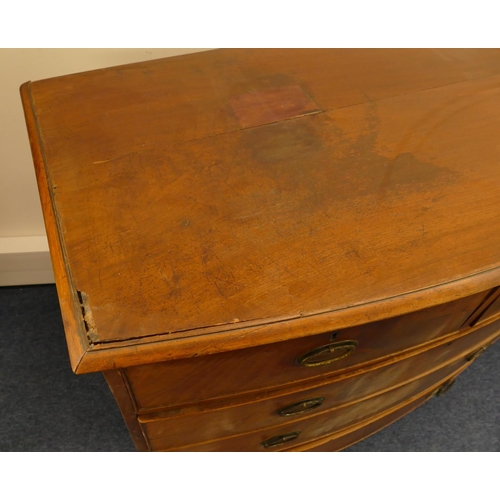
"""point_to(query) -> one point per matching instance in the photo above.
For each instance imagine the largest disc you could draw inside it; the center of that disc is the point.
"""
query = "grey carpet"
(45, 407)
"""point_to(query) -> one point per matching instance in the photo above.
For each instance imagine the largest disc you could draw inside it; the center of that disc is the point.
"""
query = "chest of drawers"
(273, 249)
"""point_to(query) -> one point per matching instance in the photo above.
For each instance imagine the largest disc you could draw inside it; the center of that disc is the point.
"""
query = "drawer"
(176, 382)
(199, 426)
(312, 427)
(175, 433)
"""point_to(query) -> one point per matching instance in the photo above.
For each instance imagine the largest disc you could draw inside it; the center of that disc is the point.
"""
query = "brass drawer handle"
(300, 407)
(475, 354)
(278, 440)
(443, 388)
(327, 354)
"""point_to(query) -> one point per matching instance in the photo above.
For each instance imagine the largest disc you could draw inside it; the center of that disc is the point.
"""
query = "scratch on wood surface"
(132, 153)
(247, 216)
(279, 266)
(213, 280)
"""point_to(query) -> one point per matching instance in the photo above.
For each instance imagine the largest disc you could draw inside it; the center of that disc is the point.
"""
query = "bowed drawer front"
(163, 384)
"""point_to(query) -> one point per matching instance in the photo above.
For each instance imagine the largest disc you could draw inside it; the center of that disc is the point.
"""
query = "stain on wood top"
(244, 185)
(272, 105)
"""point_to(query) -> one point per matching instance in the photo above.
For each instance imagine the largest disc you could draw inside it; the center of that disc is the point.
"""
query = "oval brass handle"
(328, 353)
(475, 354)
(443, 388)
(300, 407)
(277, 440)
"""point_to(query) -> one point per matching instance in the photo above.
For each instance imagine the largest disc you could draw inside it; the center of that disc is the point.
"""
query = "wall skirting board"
(25, 261)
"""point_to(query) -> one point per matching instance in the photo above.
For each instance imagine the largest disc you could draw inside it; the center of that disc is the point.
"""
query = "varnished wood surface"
(125, 402)
(182, 210)
(271, 365)
(184, 425)
(208, 426)
(311, 427)
(343, 440)
(357, 383)
(73, 327)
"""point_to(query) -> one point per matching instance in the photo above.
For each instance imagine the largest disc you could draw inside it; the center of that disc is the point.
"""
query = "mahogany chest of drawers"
(268, 250)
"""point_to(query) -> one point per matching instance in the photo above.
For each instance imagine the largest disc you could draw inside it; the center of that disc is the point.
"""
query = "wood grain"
(212, 218)
(311, 428)
(272, 105)
(126, 403)
(183, 426)
(73, 327)
(355, 385)
(271, 365)
(182, 430)
(166, 200)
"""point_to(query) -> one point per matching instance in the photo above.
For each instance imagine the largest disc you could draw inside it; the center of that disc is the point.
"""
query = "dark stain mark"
(408, 171)
(310, 160)
(353, 253)
(405, 172)
(285, 141)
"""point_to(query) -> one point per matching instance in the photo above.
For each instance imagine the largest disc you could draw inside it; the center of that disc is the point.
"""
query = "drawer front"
(200, 426)
(169, 434)
(181, 381)
(311, 428)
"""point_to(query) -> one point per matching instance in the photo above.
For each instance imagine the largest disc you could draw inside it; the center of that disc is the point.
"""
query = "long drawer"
(181, 381)
(332, 402)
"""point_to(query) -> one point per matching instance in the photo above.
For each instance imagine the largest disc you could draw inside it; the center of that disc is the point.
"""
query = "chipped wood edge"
(68, 300)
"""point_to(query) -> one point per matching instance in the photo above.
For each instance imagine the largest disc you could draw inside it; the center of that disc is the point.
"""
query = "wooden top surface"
(212, 191)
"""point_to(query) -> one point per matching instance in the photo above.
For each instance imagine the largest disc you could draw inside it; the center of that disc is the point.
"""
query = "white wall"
(24, 257)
